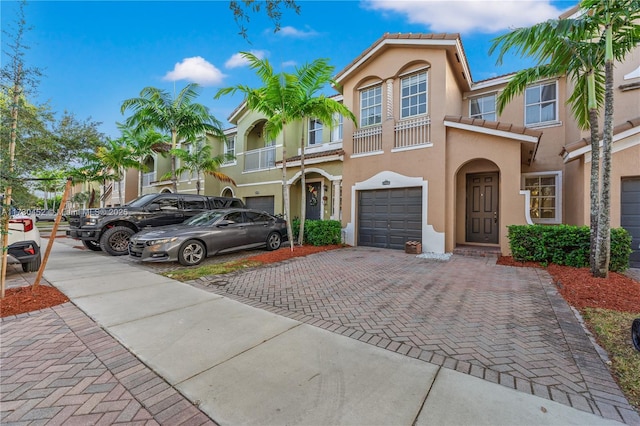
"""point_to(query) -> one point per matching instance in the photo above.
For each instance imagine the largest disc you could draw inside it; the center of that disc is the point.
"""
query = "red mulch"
(25, 299)
(284, 252)
(580, 289)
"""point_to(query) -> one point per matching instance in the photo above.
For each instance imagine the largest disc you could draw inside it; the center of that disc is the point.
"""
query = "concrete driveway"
(503, 324)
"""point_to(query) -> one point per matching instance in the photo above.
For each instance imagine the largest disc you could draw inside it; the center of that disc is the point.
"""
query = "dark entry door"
(313, 201)
(482, 208)
(630, 216)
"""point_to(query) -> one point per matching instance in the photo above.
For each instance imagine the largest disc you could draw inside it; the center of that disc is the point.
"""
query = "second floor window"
(371, 106)
(540, 104)
(336, 132)
(315, 132)
(230, 149)
(414, 95)
(483, 107)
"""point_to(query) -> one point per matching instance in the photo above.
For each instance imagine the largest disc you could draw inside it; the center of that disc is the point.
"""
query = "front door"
(314, 203)
(482, 208)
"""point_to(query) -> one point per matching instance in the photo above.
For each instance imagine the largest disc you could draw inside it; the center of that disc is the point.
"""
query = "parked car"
(207, 234)
(24, 241)
(48, 216)
(109, 229)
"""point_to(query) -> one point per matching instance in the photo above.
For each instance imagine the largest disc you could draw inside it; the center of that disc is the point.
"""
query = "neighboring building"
(430, 160)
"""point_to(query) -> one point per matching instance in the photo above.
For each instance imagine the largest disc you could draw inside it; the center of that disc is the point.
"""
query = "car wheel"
(115, 241)
(635, 333)
(192, 253)
(32, 266)
(273, 241)
(92, 245)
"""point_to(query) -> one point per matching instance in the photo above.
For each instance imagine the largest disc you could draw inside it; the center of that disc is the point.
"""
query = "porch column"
(335, 214)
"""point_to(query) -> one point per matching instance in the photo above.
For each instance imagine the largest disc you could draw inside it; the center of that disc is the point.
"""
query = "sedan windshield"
(204, 219)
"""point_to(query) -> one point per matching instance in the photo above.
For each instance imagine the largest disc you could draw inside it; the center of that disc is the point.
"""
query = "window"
(193, 202)
(414, 95)
(336, 132)
(315, 132)
(230, 150)
(483, 107)
(167, 203)
(545, 196)
(371, 106)
(540, 104)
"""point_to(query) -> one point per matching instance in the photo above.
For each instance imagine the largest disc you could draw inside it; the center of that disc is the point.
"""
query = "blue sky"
(96, 54)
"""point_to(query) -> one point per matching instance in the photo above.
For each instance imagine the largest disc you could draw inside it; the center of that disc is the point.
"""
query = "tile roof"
(338, 151)
(494, 125)
(627, 125)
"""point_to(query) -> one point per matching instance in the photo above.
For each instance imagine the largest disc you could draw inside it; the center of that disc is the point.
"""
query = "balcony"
(368, 139)
(148, 178)
(412, 132)
(260, 159)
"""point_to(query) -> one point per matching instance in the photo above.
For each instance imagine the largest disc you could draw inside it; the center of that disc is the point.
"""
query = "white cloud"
(237, 60)
(464, 16)
(196, 70)
(296, 33)
(287, 64)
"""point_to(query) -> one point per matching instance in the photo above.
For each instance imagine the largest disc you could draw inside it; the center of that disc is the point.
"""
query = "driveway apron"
(507, 325)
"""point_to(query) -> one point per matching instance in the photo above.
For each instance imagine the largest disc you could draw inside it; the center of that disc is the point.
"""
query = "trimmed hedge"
(318, 232)
(565, 245)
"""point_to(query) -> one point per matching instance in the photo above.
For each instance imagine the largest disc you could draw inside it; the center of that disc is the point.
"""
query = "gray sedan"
(207, 234)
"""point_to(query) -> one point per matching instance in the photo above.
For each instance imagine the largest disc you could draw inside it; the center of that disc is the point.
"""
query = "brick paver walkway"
(59, 367)
(504, 324)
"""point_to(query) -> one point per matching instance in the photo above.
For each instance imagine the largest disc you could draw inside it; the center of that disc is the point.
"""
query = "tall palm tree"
(199, 160)
(277, 100)
(576, 47)
(312, 78)
(116, 156)
(142, 145)
(183, 118)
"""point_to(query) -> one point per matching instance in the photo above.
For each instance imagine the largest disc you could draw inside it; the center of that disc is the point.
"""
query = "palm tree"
(576, 47)
(199, 160)
(312, 78)
(142, 145)
(277, 100)
(183, 118)
(117, 157)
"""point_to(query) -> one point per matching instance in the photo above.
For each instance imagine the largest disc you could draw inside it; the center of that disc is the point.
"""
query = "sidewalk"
(239, 364)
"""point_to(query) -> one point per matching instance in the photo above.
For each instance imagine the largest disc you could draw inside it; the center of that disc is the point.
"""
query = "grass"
(189, 274)
(613, 332)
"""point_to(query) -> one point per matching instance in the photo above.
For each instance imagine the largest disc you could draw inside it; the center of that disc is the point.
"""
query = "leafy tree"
(183, 118)
(577, 48)
(198, 160)
(311, 79)
(242, 9)
(142, 145)
(116, 156)
(277, 100)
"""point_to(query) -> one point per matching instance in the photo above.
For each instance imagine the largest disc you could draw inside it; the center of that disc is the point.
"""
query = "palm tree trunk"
(594, 189)
(140, 178)
(604, 236)
(285, 191)
(120, 191)
(174, 144)
(303, 185)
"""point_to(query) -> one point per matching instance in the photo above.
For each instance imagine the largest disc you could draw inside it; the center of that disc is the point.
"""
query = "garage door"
(388, 218)
(265, 204)
(630, 216)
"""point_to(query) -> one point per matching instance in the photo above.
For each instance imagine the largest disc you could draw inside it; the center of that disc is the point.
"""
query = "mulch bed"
(581, 290)
(25, 299)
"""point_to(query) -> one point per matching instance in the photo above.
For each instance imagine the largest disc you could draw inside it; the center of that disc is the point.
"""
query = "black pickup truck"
(109, 228)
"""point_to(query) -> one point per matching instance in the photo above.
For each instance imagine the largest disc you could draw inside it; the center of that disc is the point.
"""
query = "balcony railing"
(368, 139)
(412, 132)
(260, 159)
(147, 178)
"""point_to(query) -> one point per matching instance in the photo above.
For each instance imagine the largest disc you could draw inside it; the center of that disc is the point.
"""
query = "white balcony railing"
(368, 139)
(412, 132)
(147, 178)
(260, 159)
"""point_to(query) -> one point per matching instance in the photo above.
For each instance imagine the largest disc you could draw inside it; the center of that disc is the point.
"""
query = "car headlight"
(161, 241)
(91, 219)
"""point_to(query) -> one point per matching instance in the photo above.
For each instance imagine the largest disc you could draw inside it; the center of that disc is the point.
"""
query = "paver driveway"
(504, 324)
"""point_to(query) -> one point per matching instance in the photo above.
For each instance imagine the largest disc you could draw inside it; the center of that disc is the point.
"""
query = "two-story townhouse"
(259, 162)
(431, 161)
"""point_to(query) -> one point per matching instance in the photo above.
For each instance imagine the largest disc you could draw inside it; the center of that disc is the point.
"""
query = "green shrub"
(318, 232)
(565, 245)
